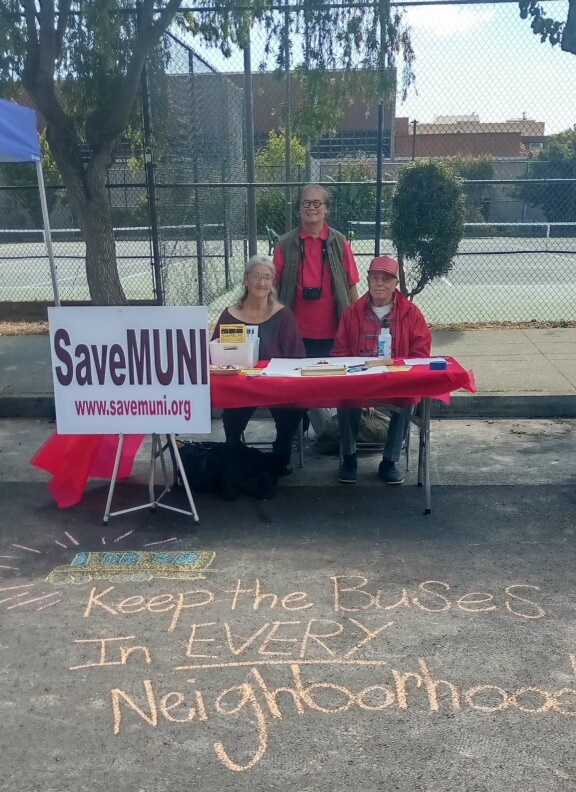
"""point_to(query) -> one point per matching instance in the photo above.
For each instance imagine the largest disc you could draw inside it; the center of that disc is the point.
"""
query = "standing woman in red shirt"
(316, 274)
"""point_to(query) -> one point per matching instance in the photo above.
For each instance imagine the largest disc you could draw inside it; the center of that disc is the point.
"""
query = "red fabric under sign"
(73, 459)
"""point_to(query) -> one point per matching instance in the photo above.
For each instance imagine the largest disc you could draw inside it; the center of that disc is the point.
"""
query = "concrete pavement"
(519, 373)
(413, 653)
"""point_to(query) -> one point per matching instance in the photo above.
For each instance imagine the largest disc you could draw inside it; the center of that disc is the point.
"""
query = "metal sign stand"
(153, 502)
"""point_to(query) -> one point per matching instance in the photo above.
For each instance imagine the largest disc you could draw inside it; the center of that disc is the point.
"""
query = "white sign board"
(130, 370)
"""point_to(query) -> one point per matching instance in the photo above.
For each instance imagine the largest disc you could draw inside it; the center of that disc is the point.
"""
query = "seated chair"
(380, 446)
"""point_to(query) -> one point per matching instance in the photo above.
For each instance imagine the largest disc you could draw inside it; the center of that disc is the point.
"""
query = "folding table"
(418, 385)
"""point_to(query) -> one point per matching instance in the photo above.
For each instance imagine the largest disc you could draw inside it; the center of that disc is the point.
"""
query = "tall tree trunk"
(86, 187)
(95, 221)
(402, 274)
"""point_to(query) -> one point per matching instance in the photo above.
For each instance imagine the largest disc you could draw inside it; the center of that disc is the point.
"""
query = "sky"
(480, 59)
(486, 60)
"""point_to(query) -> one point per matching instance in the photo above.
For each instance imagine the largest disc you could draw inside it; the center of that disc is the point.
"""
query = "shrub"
(428, 214)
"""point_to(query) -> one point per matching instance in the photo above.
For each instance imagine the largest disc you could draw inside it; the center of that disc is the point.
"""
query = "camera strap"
(324, 259)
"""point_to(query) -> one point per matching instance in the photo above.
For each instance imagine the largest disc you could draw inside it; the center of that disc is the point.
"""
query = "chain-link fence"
(24, 266)
(489, 99)
(197, 118)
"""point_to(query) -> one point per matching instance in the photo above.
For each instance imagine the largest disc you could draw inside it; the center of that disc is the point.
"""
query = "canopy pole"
(47, 233)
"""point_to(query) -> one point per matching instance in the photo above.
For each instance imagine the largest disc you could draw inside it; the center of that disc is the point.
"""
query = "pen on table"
(354, 369)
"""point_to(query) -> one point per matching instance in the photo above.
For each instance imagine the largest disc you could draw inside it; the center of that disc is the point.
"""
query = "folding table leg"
(301, 444)
(407, 445)
(427, 481)
(421, 442)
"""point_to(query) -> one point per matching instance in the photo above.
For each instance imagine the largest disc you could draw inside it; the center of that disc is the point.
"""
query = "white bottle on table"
(385, 341)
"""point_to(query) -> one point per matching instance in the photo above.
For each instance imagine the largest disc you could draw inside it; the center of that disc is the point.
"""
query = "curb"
(516, 406)
(27, 406)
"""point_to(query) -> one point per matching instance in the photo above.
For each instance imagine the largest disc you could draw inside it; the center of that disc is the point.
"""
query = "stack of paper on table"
(294, 367)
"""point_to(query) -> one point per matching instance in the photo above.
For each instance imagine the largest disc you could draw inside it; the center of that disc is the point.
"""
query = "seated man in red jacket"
(358, 336)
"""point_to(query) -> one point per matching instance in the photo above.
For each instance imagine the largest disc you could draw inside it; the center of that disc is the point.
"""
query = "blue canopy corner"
(18, 133)
(19, 142)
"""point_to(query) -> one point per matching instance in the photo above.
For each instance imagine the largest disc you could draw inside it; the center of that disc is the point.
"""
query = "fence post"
(227, 234)
(151, 185)
(380, 144)
(199, 230)
(384, 12)
(250, 170)
(287, 129)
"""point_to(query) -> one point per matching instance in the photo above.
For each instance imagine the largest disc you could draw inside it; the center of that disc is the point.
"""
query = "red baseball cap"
(384, 264)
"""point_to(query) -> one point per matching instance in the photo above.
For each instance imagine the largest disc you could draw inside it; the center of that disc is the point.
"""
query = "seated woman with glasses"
(279, 337)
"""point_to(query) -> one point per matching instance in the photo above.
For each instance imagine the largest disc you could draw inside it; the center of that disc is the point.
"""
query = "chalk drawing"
(135, 565)
(49, 604)
(23, 547)
(30, 588)
(124, 535)
(36, 599)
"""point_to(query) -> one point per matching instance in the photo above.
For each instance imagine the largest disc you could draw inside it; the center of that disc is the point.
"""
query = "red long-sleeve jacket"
(412, 337)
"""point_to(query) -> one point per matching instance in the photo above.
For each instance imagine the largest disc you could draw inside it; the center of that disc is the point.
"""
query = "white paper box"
(245, 355)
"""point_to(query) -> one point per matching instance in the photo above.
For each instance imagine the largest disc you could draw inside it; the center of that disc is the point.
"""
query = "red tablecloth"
(73, 459)
(363, 390)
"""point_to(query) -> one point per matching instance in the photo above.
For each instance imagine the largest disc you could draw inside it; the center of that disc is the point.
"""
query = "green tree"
(553, 30)
(428, 213)
(336, 53)
(269, 160)
(357, 202)
(81, 64)
(271, 156)
(556, 161)
(479, 168)
(23, 175)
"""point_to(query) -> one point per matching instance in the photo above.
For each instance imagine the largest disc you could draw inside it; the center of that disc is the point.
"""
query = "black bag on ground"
(229, 470)
(373, 429)
(202, 464)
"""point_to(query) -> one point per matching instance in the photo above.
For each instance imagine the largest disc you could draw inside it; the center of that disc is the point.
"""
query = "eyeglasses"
(316, 204)
(263, 278)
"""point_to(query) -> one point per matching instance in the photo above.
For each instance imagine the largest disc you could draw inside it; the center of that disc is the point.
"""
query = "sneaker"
(348, 472)
(389, 472)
